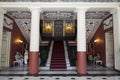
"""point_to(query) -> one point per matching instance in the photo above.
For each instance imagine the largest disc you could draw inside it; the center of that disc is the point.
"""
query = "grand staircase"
(58, 56)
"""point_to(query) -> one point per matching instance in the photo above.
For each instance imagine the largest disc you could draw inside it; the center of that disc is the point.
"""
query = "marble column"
(81, 41)
(2, 12)
(116, 34)
(34, 41)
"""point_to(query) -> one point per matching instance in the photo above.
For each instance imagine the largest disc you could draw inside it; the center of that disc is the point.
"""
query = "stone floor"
(94, 72)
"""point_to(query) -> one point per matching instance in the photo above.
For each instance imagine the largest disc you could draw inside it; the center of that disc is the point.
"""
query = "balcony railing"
(59, 0)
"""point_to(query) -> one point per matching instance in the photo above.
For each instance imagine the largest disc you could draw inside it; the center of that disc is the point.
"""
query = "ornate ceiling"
(96, 14)
(91, 27)
(20, 14)
(58, 15)
(24, 25)
(59, 0)
(93, 19)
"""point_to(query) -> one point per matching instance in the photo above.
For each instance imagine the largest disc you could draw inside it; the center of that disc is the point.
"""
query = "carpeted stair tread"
(58, 56)
(58, 64)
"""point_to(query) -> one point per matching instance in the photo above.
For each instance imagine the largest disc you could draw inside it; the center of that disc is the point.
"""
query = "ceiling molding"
(58, 5)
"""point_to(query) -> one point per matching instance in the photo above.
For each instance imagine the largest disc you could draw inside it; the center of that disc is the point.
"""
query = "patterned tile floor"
(93, 73)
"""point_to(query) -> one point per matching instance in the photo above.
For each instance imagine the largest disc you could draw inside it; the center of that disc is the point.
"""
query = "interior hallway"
(94, 72)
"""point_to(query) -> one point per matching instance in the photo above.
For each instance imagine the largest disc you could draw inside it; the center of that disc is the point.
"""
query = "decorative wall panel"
(108, 23)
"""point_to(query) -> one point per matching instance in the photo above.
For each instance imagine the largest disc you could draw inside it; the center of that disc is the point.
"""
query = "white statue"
(26, 57)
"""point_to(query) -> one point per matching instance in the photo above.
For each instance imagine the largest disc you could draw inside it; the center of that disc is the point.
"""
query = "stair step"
(57, 67)
(57, 60)
(56, 53)
(58, 64)
(58, 56)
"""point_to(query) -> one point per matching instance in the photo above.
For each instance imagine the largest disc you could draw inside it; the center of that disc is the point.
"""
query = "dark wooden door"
(58, 28)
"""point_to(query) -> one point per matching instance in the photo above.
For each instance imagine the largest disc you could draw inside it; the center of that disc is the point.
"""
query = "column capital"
(81, 9)
(114, 10)
(2, 11)
(34, 9)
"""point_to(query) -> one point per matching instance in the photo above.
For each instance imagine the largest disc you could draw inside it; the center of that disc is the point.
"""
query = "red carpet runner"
(58, 56)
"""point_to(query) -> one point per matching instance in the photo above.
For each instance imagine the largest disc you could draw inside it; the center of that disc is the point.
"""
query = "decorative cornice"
(58, 4)
(2, 11)
(57, 15)
(108, 23)
(115, 10)
(35, 9)
(9, 24)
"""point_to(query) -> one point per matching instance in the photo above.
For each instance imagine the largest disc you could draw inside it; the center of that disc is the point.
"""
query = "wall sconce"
(21, 43)
(18, 41)
(48, 27)
(97, 41)
(68, 27)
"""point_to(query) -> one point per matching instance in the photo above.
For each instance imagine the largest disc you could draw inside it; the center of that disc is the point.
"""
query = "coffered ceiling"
(93, 19)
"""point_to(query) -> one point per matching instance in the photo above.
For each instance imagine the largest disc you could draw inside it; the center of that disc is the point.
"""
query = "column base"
(81, 63)
(33, 63)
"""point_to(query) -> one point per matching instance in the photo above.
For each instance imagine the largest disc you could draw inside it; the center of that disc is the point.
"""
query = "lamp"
(18, 41)
(21, 43)
(68, 27)
(48, 27)
(97, 40)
